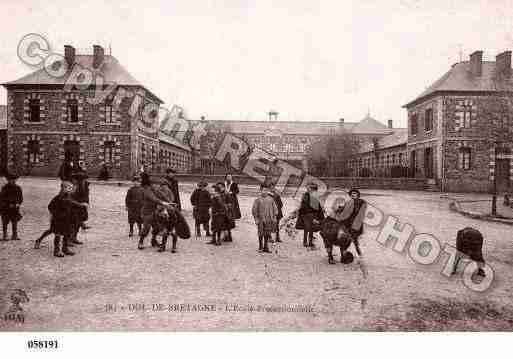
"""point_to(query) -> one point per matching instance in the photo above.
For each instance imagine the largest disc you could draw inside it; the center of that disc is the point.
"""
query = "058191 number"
(42, 344)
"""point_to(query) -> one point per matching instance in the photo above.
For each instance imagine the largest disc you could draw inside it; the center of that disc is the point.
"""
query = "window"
(393, 158)
(400, 158)
(428, 120)
(33, 151)
(466, 116)
(143, 153)
(72, 107)
(413, 123)
(109, 110)
(464, 158)
(35, 111)
(465, 111)
(108, 151)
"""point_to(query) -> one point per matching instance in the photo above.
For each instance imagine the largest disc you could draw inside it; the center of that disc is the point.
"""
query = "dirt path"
(233, 287)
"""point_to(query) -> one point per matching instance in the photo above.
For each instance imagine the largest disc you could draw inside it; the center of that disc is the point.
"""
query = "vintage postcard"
(239, 165)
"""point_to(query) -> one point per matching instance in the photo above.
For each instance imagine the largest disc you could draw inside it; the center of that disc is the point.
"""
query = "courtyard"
(111, 285)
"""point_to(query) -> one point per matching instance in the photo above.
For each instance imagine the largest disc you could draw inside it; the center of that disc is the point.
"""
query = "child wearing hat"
(221, 222)
(265, 213)
(355, 209)
(11, 197)
(201, 202)
(133, 204)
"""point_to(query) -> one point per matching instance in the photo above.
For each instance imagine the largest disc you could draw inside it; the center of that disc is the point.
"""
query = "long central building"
(292, 140)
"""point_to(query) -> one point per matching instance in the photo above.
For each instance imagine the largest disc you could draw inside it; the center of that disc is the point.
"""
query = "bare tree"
(330, 155)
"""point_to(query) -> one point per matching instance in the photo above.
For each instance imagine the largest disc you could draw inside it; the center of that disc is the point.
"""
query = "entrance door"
(428, 162)
(502, 166)
(72, 150)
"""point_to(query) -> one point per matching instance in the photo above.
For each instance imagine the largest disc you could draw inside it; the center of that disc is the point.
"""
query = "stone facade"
(459, 128)
(379, 163)
(49, 119)
(176, 155)
(38, 148)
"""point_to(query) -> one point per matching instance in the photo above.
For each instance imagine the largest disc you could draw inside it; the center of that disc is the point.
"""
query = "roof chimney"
(98, 54)
(390, 124)
(341, 121)
(503, 64)
(69, 55)
(476, 63)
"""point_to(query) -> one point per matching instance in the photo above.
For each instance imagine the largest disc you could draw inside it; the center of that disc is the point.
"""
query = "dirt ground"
(111, 285)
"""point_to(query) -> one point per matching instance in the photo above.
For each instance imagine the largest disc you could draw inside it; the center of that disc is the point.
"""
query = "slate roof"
(398, 138)
(367, 126)
(460, 79)
(3, 117)
(172, 141)
(111, 70)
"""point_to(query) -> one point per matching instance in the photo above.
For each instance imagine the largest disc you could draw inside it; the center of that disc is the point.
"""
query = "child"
(201, 202)
(310, 214)
(231, 210)
(279, 204)
(133, 203)
(265, 213)
(64, 222)
(220, 215)
(11, 198)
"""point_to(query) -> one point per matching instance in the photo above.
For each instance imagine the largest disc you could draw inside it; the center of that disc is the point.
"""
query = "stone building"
(382, 157)
(50, 118)
(175, 154)
(291, 140)
(459, 128)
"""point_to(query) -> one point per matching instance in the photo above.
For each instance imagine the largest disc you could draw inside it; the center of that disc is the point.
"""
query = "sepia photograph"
(242, 166)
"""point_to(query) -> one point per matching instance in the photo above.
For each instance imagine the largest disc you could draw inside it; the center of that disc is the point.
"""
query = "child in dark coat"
(63, 209)
(11, 197)
(133, 203)
(201, 202)
(221, 219)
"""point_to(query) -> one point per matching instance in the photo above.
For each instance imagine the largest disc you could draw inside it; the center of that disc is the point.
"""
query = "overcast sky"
(237, 59)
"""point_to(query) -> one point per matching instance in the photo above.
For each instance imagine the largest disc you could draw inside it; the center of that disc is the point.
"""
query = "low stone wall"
(413, 184)
(465, 185)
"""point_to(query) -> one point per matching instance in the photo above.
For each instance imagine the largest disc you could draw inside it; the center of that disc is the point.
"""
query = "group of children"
(216, 211)
(68, 211)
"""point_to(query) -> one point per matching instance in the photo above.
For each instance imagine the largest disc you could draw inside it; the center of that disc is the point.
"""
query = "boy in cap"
(201, 202)
(265, 213)
(355, 210)
(133, 203)
(11, 197)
